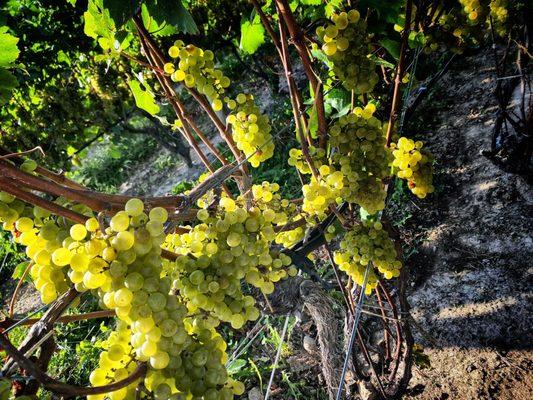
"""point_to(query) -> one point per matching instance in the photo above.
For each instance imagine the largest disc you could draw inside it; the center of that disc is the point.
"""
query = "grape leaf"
(392, 46)
(121, 10)
(236, 365)
(19, 271)
(7, 83)
(252, 36)
(172, 12)
(143, 98)
(98, 21)
(8, 48)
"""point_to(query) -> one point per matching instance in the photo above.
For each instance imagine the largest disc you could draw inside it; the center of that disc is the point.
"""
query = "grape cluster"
(123, 267)
(413, 164)
(322, 192)
(297, 159)
(361, 157)
(475, 10)
(48, 243)
(363, 244)
(196, 69)
(499, 13)
(346, 45)
(230, 244)
(115, 362)
(250, 129)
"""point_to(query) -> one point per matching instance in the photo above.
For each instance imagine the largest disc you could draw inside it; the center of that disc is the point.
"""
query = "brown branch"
(296, 102)
(152, 49)
(44, 326)
(66, 319)
(10, 186)
(154, 57)
(298, 40)
(399, 72)
(13, 187)
(58, 178)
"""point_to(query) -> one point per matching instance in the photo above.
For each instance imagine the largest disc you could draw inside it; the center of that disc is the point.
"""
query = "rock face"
(471, 291)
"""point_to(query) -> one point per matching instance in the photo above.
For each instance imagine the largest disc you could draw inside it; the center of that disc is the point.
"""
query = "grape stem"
(297, 38)
(399, 72)
(65, 319)
(155, 57)
(15, 293)
(21, 153)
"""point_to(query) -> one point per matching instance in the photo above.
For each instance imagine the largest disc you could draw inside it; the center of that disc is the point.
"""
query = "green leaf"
(313, 122)
(115, 153)
(121, 10)
(63, 57)
(19, 270)
(173, 13)
(8, 48)
(381, 61)
(339, 99)
(311, 2)
(236, 366)
(143, 98)
(7, 83)
(252, 36)
(392, 46)
(157, 29)
(98, 21)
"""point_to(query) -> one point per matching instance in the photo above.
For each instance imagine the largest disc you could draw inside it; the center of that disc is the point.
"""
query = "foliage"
(8, 54)
(112, 160)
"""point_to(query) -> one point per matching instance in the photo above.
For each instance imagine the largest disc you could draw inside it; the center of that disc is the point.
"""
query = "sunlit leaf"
(8, 48)
(143, 98)
(252, 36)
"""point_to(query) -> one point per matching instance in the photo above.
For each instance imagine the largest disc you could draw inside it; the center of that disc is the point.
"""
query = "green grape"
(120, 222)
(347, 46)
(134, 207)
(123, 241)
(78, 232)
(413, 164)
(251, 130)
(363, 244)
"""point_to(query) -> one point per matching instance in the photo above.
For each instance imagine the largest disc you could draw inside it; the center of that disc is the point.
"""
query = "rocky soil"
(471, 276)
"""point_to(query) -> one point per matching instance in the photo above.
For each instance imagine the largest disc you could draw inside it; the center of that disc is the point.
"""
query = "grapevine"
(178, 272)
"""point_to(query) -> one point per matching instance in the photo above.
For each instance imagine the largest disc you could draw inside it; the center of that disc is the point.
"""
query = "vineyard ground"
(471, 272)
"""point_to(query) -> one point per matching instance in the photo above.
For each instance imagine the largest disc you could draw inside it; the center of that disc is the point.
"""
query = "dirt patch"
(472, 269)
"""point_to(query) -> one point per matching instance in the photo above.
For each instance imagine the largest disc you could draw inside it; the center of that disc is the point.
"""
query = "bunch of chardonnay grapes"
(250, 129)
(297, 159)
(475, 10)
(346, 45)
(229, 245)
(123, 267)
(363, 244)
(414, 165)
(499, 13)
(115, 363)
(196, 69)
(47, 240)
(361, 157)
(322, 192)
